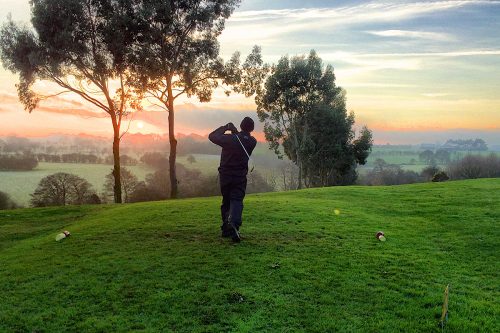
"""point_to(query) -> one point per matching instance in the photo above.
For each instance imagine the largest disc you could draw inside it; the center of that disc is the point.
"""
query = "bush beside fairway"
(162, 266)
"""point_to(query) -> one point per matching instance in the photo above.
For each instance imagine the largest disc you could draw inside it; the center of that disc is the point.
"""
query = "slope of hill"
(309, 262)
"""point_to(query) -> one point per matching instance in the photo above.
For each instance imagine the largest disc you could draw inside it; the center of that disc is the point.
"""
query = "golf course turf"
(302, 266)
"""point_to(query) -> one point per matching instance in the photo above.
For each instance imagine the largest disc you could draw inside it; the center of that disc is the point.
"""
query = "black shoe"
(227, 231)
(235, 236)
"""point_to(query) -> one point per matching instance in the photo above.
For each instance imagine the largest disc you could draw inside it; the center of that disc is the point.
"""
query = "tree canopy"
(81, 45)
(177, 54)
(62, 189)
(305, 118)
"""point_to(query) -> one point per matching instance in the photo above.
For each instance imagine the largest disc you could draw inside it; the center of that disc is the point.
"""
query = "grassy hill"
(300, 268)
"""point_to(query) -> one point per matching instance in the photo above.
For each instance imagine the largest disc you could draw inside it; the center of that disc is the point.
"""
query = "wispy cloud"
(82, 113)
(372, 12)
(413, 34)
(377, 85)
(267, 25)
(352, 63)
(434, 95)
(464, 53)
(8, 98)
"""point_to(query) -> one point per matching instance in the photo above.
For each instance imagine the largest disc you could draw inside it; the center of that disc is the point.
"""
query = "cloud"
(432, 95)
(377, 85)
(199, 119)
(371, 12)
(351, 63)
(82, 113)
(193, 118)
(267, 26)
(8, 98)
(67, 101)
(463, 53)
(413, 34)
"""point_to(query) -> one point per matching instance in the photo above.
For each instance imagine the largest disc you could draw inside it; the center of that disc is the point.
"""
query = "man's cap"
(247, 124)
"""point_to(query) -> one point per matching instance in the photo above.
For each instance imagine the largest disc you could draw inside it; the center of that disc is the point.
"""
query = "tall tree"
(81, 45)
(299, 104)
(292, 89)
(178, 54)
(331, 152)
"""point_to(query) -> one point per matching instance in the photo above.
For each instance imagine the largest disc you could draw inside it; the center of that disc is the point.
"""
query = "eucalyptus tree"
(82, 46)
(178, 54)
(305, 118)
(331, 151)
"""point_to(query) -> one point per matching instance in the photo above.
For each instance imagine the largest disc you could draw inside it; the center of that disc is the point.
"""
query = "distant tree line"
(467, 145)
(389, 174)
(66, 189)
(470, 167)
(18, 162)
(475, 166)
(17, 145)
(84, 159)
(192, 183)
(441, 156)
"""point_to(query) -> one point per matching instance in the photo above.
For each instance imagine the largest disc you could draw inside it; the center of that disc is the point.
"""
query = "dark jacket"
(233, 160)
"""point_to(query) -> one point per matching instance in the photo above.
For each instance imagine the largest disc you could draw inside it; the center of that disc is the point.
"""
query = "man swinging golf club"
(236, 150)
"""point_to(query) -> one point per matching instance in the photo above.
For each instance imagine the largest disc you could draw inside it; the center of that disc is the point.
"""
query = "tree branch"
(128, 127)
(88, 98)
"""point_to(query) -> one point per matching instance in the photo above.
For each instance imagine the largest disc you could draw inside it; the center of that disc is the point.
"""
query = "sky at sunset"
(414, 71)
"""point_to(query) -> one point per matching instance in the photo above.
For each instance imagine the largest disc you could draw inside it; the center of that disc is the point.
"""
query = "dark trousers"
(233, 191)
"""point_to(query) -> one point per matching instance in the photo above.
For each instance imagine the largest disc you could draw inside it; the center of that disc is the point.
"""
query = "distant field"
(20, 184)
(207, 164)
(408, 158)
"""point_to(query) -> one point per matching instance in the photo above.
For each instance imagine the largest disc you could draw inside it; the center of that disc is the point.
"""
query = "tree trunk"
(299, 163)
(172, 157)
(116, 168)
(297, 148)
(173, 143)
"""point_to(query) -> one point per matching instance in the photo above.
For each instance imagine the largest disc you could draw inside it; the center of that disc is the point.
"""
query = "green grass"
(162, 267)
(20, 184)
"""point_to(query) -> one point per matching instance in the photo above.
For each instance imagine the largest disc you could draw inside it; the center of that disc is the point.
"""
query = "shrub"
(6, 202)
(429, 172)
(129, 183)
(440, 176)
(258, 184)
(389, 174)
(475, 166)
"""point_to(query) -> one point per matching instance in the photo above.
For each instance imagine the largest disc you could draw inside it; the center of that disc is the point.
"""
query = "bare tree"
(62, 189)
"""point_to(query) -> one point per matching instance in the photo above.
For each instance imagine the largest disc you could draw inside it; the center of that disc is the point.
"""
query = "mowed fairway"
(162, 267)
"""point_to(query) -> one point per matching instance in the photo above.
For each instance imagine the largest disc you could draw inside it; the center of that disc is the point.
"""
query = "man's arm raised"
(219, 138)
